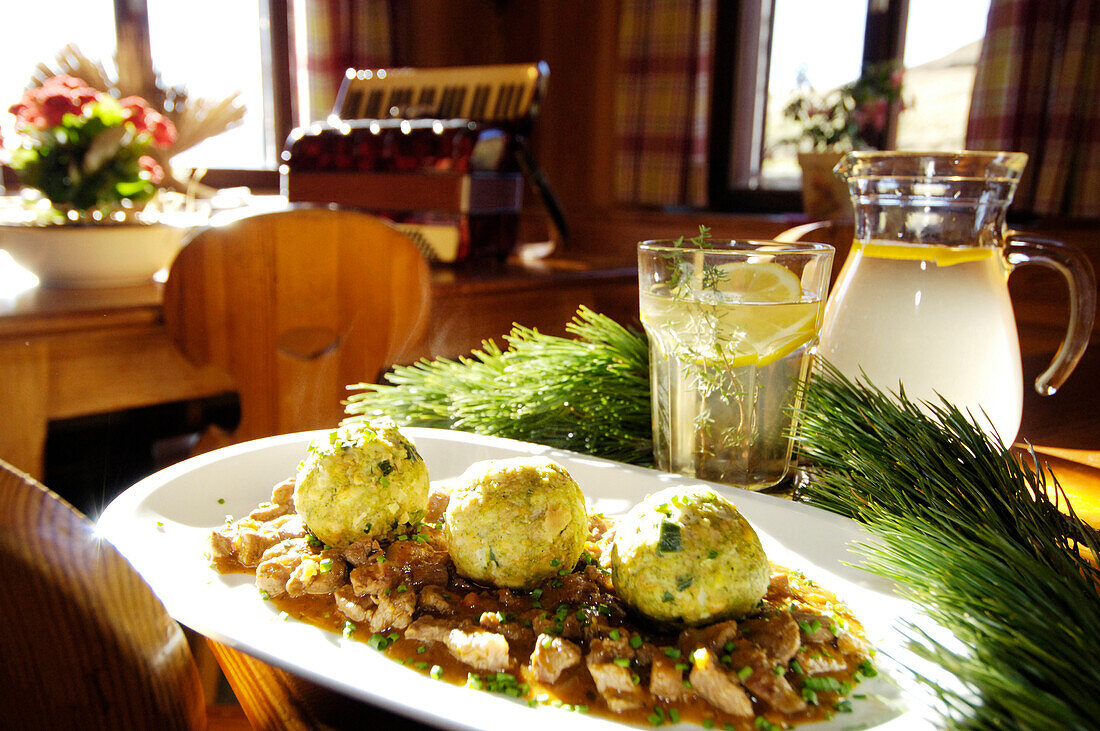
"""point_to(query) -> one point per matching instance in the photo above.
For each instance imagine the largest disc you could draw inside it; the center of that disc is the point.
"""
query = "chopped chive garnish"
(669, 541)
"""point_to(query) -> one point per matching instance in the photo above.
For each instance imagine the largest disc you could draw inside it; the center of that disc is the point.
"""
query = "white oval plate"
(161, 524)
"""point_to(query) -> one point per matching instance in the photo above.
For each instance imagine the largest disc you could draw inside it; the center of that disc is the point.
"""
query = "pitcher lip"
(960, 164)
(735, 245)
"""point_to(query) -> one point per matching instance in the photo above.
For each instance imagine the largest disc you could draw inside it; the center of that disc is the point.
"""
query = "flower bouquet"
(83, 159)
(86, 151)
(851, 117)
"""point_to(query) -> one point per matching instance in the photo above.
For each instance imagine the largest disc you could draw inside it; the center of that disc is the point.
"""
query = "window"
(784, 45)
(942, 44)
(89, 24)
(245, 51)
(229, 62)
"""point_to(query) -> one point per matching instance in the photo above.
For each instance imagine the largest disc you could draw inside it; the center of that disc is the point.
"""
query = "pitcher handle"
(1081, 281)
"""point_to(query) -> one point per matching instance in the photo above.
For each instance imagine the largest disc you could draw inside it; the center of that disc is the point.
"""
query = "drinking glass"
(733, 329)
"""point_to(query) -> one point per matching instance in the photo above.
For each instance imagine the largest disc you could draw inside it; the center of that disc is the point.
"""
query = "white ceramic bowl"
(108, 255)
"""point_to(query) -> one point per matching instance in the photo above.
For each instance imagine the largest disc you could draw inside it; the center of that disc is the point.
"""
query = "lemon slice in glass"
(762, 315)
(764, 282)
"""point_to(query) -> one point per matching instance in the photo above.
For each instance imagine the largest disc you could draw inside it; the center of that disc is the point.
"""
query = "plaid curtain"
(342, 34)
(1036, 92)
(662, 101)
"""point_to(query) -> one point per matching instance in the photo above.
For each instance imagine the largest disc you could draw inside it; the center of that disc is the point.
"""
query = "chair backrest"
(838, 234)
(295, 306)
(85, 642)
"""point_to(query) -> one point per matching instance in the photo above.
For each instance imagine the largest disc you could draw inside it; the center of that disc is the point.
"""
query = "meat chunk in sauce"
(363, 551)
(419, 563)
(714, 638)
(374, 578)
(757, 673)
(429, 629)
(321, 573)
(666, 679)
(515, 632)
(394, 611)
(438, 500)
(715, 684)
(814, 627)
(776, 634)
(478, 648)
(608, 663)
(437, 600)
(246, 540)
(356, 608)
(277, 564)
(552, 657)
(282, 503)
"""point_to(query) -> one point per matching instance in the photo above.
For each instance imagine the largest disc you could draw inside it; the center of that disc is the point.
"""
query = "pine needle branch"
(975, 537)
(588, 393)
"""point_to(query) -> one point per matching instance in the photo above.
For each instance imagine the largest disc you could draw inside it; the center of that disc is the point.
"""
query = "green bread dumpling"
(363, 479)
(516, 522)
(686, 555)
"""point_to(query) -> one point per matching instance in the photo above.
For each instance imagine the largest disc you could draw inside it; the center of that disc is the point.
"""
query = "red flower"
(45, 106)
(146, 119)
(872, 114)
(152, 168)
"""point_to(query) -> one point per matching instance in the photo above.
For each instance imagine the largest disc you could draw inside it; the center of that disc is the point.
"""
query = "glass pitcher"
(922, 300)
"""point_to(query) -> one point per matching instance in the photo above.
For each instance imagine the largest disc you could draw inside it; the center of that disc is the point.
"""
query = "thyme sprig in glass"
(975, 537)
(705, 351)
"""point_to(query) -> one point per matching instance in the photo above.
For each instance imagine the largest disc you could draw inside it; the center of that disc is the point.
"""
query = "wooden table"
(67, 353)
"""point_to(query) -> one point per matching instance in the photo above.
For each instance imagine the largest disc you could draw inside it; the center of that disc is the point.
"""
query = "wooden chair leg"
(275, 699)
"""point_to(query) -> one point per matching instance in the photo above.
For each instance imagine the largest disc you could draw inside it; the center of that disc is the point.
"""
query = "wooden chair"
(295, 305)
(838, 234)
(86, 643)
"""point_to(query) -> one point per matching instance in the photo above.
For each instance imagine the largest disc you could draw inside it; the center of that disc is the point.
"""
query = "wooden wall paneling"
(575, 132)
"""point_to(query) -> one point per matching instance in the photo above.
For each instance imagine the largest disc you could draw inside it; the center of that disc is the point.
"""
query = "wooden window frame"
(740, 75)
(132, 35)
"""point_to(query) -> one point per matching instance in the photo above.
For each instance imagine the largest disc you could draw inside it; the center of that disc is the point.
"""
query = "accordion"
(443, 153)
